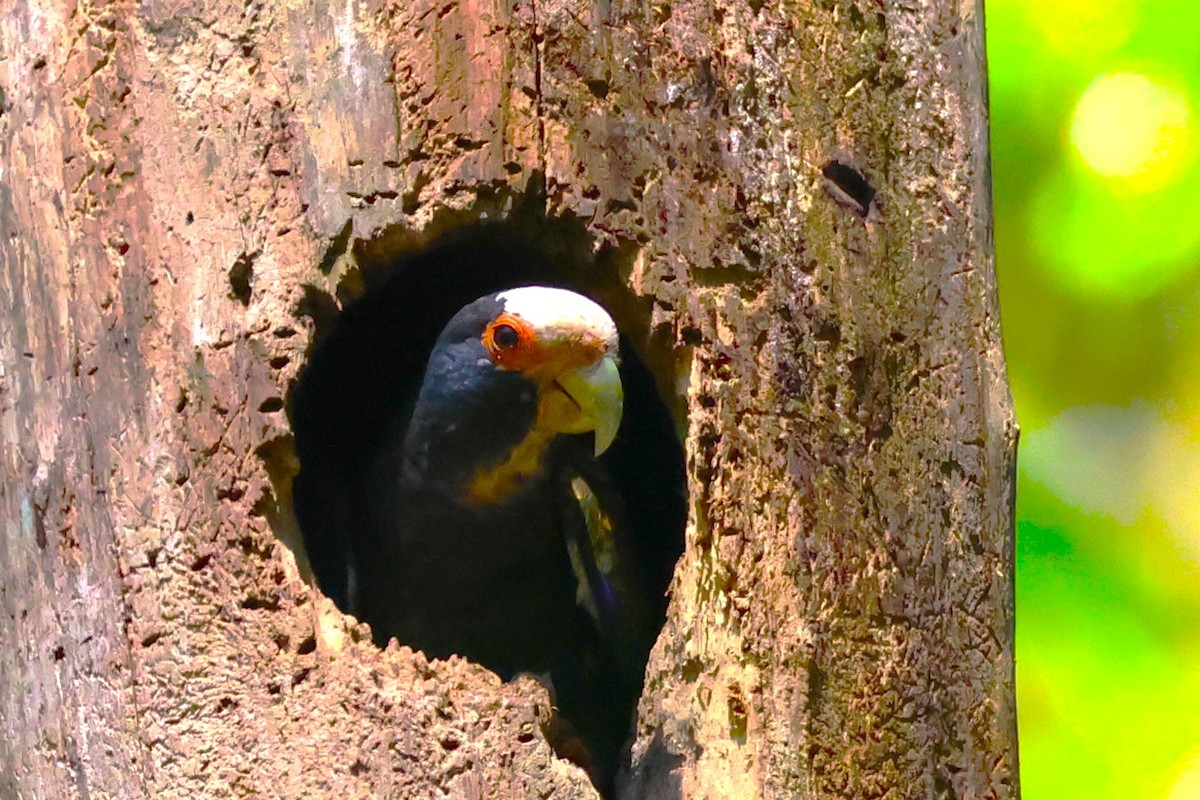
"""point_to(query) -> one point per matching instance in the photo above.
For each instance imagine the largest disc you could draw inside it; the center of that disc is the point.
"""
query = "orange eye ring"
(509, 340)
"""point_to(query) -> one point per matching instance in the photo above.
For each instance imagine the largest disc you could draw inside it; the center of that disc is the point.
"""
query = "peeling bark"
(799, 197)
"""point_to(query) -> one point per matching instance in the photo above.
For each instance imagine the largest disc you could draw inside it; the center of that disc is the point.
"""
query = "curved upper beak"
(596, 389)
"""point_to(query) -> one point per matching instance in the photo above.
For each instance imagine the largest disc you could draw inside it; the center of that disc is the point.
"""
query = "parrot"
(486, 525)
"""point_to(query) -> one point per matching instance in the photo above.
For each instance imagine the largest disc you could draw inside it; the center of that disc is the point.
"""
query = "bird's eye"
(505, 336)
(508, 339)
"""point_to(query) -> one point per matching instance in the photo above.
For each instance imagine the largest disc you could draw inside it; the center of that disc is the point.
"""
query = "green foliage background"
(1095, 132)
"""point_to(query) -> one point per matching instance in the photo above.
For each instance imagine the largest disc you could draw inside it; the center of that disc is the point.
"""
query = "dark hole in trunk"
(358, 388)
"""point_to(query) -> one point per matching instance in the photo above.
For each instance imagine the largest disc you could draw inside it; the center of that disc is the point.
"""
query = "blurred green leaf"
(1094, 149)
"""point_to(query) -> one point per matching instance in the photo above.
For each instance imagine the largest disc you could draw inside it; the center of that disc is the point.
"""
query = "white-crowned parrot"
(484, 524)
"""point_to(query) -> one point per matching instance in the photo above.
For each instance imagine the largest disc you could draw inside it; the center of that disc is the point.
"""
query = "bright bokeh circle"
(1129, 126)
(1187, 783)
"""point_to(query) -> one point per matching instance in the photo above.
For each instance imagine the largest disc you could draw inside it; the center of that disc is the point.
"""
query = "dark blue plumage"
(454, 428)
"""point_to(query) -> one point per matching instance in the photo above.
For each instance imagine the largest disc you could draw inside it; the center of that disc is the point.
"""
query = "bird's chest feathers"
(498, 482)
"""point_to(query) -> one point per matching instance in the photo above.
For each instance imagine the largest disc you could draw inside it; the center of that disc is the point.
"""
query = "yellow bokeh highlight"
(1129, 126)
(1077, 30)
(1187, 782)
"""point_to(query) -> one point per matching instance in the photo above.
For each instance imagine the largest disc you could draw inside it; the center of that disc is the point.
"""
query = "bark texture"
(797, 196)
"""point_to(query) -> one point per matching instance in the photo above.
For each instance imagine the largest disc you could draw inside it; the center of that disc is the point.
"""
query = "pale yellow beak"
(596, 390)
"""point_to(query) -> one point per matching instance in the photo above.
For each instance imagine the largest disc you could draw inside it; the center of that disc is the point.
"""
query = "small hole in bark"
(598, 87)
(307, 646)
(151, 639)
(59, 653)
(361, 513)
(260, 604)
(976, 542)
(241, 276)
(737, 715)
(849, 185)
(944, 787)
(271, 405)
(468, 144)
(231, 493)
(881, 433)
(858, 375)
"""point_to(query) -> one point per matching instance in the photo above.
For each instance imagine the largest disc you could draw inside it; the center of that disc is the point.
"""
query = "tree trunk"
(796, 197)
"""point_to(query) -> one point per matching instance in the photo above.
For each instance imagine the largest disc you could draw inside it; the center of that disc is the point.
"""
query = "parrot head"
(509, 374)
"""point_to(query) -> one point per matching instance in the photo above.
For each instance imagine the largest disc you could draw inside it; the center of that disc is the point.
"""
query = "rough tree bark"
(799, 195)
